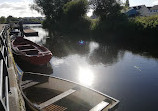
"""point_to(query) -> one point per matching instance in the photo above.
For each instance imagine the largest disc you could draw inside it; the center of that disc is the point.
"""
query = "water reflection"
(85, 76)
(57, 62)
(106, 55)
(62, 47)
(93, 46)
(93, 51)
(27, 67)
(42, 34)
(111, 69)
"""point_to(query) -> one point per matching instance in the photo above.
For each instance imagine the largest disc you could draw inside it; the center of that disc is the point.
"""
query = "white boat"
(46, 93)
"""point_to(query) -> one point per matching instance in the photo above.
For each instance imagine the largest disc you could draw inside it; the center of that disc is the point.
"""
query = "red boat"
(30, 51)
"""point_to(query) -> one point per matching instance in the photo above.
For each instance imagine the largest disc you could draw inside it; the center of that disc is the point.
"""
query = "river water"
(129, 77)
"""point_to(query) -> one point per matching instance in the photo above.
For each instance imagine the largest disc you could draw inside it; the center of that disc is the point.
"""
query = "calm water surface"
(130, 78)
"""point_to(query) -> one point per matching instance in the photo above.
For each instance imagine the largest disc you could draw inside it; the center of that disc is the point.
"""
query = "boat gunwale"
(113, 106)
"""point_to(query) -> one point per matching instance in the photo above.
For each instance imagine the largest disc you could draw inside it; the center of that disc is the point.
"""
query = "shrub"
(148, 22)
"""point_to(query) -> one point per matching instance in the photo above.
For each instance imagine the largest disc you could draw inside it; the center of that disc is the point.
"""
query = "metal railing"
(4, 81)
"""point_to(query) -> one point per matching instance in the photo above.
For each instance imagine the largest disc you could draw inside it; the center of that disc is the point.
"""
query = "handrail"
(4, 81)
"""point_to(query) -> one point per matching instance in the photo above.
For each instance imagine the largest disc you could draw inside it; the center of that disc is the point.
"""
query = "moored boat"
(46, 93)
(30, 51)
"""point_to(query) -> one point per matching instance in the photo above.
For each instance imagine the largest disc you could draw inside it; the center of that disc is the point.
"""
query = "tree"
(2, 20)
(106, 8)
(52, 9)
(74, 10)
(10, 19)
(127, 4)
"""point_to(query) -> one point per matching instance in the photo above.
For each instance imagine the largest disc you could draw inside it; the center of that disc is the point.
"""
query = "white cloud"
(4, 5)
(155, 2)
(17, 9)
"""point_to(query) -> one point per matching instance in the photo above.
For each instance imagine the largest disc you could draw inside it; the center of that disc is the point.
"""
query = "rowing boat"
(30, 51)
(47, 93)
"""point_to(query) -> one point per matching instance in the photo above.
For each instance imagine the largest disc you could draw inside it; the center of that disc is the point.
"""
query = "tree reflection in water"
(96, 53)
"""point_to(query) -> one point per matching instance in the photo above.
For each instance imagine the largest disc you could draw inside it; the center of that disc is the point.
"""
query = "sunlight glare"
(90, 12)
(86, 76)
(93, 46)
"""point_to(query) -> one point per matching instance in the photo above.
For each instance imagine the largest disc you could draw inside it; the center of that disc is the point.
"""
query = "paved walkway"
(16, 102)
(1, 26)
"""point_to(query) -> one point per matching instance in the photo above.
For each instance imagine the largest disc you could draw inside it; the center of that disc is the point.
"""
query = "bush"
(2, 20)
(148, 22)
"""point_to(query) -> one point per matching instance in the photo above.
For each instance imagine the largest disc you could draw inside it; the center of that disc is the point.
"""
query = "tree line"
(9, 19)
(68, 16)
(4, 20)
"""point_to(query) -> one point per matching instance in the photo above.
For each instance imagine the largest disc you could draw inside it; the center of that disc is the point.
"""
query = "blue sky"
(20, 8)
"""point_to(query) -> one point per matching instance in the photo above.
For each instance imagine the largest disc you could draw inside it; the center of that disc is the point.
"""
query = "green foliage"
(74, 20)
(63, 15)
(106, 9)
(148, 22)
(67, 17)
(80, 27)
(74, 10)
(2, 20)
(10, 19)
(94, 23)
(138, 31)
(127, 4)
(52, 9)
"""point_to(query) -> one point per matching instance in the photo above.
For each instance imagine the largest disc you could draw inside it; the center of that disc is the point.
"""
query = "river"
(129, 77)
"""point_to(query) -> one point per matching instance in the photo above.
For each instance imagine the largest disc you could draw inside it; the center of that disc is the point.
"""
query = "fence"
(4, 81)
